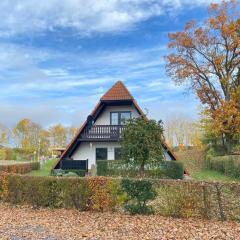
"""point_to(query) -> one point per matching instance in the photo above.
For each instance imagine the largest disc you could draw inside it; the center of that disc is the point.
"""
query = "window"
(124, 116)
(119, 118)
(101, 154)
(117, 154)
(114, 118)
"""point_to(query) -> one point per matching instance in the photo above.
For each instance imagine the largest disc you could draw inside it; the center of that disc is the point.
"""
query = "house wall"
(104, 118)
(87, 150)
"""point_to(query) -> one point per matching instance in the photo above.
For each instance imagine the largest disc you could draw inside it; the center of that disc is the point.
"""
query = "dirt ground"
(17, 223)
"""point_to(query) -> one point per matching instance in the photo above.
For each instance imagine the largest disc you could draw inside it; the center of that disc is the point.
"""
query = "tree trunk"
(228, 144)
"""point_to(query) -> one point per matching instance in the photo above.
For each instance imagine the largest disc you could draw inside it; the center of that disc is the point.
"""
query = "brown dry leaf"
(26, 223)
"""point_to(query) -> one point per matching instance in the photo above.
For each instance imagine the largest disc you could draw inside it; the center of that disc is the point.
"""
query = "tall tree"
(27, 135)
(4, 135)
(58, 135)
(71, 132)
(182, 131)
(208, 57)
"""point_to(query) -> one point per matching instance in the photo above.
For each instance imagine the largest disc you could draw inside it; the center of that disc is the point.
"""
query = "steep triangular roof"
(117, 92)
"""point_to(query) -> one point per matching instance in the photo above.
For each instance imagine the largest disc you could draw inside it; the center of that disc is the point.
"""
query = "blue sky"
(58, 57)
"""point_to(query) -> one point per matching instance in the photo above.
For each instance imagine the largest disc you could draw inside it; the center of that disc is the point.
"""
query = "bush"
(228, 165)
(20, 168)
(166, 169)
(217, 200)
(2, 154)
(69, 172)
(102, 168)
(173, 169)
(99, 194)
(139, 192)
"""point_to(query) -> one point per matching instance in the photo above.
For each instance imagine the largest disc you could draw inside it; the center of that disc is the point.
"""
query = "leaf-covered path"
(26, 223)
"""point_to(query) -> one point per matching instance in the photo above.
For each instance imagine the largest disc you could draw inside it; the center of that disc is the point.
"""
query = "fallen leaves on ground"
(18, 223)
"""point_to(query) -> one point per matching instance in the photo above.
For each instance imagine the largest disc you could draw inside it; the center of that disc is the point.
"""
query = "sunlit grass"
(209, 175)
(45, 170)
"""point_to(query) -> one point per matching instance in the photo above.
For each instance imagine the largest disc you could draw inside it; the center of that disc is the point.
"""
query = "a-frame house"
(99, 137)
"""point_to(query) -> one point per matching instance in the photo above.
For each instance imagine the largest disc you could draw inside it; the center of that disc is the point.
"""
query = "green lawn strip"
(210, 175)
(45, 170)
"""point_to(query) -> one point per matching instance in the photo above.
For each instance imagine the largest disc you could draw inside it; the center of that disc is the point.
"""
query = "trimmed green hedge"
(21, 168)
(100, 194)
(175, 198)
(228, 165)
(166, 169)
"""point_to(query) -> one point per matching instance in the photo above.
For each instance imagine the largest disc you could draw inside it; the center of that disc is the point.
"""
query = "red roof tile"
(117, 92)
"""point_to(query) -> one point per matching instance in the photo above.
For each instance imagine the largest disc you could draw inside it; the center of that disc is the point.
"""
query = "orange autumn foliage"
(208, 57)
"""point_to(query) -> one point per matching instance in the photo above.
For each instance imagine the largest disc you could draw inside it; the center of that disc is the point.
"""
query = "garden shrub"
(166, 169)
(69, 173)
(105, 193)
(173, 169)
(99, 194)
(177, 198)
(102, 168)
(2, 154)
(20, 168)
(228, 165)
(139, 192)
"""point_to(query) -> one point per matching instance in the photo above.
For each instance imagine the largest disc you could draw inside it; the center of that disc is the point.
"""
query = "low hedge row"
(100, 194)
(167, 169)
(228, 165)
(178, 198)
(20, 168)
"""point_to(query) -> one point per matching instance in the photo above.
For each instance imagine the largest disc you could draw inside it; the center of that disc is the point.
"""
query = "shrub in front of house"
(166, 169)
(69, 173)
(21, 168)
(139, 192)
(228, 165)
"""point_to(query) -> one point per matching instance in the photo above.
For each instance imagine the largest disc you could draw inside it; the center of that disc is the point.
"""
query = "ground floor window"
(101, 154)
(117, 153)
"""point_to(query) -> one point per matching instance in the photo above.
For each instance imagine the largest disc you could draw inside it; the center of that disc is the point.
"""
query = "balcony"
(102, 133)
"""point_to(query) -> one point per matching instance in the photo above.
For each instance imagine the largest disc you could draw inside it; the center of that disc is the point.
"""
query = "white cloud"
(85, 16)
(67, 91)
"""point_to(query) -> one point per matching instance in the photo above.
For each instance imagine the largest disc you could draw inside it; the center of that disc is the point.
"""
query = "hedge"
(21, 168)
(100, 194)
(167, 169)
(228, 165)
(177, 198)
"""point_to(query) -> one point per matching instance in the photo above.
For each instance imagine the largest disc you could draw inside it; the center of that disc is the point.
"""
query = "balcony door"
(119, 118)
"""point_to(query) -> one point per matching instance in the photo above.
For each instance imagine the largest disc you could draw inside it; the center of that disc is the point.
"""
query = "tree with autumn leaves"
(30, 137)
(207, 56)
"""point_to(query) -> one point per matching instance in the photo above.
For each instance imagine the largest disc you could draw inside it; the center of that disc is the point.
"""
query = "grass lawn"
(45, 170)
(210, 175)
(193, 161)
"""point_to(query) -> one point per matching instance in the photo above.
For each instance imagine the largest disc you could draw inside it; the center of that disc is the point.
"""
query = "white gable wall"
(87, 150)
(104, 118)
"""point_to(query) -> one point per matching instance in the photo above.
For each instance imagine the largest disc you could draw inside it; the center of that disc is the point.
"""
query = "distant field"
(9, 162)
